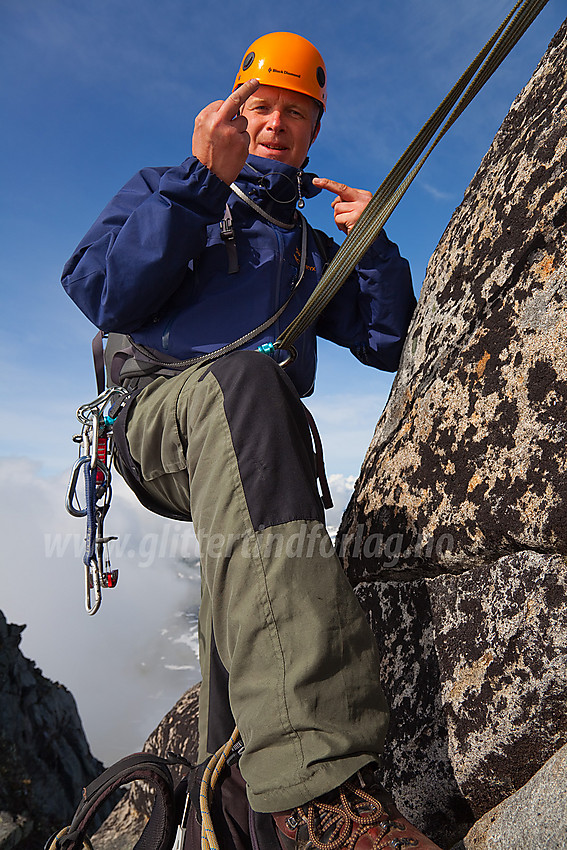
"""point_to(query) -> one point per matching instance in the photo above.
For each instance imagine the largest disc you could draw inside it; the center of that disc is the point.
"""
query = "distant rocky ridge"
(45, 759)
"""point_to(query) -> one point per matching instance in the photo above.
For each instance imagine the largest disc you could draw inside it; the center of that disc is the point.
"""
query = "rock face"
(534, 818)
(44, 757)
(467, 462)
(456, 535)
(502, 659)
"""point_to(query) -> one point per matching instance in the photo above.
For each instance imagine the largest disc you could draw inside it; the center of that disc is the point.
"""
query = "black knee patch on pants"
(221, 723)
(271, 438)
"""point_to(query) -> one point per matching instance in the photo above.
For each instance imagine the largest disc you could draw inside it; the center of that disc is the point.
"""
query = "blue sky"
(91, 92)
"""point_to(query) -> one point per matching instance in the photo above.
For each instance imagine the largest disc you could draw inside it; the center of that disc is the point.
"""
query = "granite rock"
(502, 658)
(534, 818)
(456, 535)
(467, 463)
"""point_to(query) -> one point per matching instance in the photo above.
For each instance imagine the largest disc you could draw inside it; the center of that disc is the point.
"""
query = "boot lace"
(338, 825)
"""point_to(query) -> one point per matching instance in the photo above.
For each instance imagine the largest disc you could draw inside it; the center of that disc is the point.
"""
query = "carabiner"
(92, 581)
(101, 487)
(270, 349)
(95, 442)
(85, 412)
(291, 356)
(72, 488)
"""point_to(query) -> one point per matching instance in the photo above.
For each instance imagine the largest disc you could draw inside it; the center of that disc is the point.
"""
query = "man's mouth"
(273, 146)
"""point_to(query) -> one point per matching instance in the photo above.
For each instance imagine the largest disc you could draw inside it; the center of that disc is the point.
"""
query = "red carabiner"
(102, 455)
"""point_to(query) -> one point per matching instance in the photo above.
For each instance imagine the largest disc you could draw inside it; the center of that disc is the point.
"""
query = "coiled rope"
(208, 783)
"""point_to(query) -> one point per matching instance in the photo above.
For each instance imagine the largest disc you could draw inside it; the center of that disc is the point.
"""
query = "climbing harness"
(96, 442)
(94, 461)
(394, 186)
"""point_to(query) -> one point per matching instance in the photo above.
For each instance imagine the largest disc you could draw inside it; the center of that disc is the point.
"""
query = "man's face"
(281, 124)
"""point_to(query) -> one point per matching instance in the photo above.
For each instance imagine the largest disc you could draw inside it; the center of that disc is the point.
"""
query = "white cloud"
(346, 423)
(128, 664)
(436, 193)
(341, 487)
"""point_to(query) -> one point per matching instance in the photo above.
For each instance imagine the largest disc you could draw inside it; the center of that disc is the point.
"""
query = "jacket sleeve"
(137, 252)
(371, 312)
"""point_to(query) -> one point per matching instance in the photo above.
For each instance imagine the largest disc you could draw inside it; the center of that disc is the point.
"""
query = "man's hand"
(349, 204)
(220, 140)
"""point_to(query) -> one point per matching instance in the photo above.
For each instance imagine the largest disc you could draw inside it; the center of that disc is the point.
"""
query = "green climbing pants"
(285, 650)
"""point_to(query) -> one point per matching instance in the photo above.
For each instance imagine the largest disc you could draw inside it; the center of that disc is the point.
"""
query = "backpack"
(175, 822)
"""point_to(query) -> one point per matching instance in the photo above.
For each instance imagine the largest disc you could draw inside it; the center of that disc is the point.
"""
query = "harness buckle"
(227, 229)
(229, 238)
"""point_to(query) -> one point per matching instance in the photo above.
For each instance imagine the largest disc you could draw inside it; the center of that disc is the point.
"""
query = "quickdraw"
(95, 458)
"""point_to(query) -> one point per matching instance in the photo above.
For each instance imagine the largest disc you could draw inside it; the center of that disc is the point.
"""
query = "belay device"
(94, 461)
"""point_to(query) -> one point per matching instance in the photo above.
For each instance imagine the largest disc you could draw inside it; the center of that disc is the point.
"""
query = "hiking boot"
(359, 815)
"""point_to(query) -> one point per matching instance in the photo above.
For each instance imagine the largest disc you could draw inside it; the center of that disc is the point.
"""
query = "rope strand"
(394, 186)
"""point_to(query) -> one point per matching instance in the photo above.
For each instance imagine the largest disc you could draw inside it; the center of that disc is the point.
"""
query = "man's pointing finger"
(345, 192)
(234, 101)
(348, 204)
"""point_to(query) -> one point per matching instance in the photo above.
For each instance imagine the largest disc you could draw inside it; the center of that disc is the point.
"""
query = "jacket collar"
(275, 186)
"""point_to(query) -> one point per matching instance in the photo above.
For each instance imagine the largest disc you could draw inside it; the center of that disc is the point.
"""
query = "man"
(208, 258)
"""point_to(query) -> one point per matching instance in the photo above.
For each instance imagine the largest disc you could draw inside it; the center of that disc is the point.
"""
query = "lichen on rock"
(470, 448)
(456, 535)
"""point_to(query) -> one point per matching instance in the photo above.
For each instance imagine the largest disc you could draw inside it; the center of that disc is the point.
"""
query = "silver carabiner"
(292, 355)
(85, 412)
(101, 489)
(92, 572)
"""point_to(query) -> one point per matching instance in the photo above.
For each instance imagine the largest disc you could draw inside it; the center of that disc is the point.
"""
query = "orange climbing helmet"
(288, 61)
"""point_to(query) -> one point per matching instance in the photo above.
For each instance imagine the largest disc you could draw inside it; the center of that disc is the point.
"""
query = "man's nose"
(275, 120)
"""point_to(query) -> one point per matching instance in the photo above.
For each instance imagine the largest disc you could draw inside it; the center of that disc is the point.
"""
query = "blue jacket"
(154, 266)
